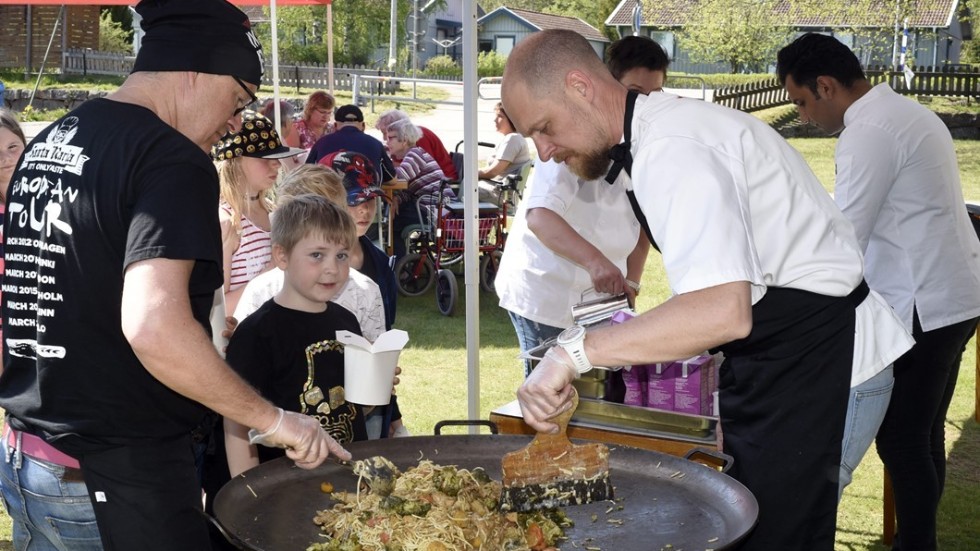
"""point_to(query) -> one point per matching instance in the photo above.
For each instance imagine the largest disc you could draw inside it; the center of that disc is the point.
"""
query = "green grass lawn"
(819, 153)
(434, 387)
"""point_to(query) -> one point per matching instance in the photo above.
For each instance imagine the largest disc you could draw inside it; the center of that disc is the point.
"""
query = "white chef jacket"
(361, 295)
(535, 282)
(727, 199)
(899, 184)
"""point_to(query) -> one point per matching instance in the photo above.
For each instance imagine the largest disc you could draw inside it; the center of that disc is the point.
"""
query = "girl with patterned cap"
(248, 166)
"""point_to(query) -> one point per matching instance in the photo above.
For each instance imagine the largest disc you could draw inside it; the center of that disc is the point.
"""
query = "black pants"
(147, 497)
(912, 439)
(783, 399)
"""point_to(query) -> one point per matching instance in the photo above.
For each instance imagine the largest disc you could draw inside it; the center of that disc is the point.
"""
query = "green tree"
(971, 48)
(871, 22)
(360, 28)
(593, 12)
(112, 36)
(746, 34)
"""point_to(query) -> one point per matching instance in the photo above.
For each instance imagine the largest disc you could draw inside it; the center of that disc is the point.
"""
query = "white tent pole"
(275, 65)
(470, 224)
(330, 45)
(392, 37)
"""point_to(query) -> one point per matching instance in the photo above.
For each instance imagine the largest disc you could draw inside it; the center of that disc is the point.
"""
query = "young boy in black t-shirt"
(288, 348)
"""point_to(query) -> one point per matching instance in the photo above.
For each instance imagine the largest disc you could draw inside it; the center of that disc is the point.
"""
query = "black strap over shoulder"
(623, 160)
(620, 153)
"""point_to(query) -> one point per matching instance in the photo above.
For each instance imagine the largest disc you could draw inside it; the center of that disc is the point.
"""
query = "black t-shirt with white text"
(106, 186)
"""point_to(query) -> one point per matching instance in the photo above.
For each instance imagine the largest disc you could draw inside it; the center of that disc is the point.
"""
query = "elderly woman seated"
(420, 171)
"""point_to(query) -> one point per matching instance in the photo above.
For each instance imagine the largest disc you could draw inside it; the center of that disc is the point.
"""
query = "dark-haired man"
(350, 136)
(898, 183)
(762, 265)
(639, 63)
(113, 256)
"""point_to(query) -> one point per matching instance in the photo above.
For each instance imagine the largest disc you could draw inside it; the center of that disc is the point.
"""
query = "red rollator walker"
(435, 247)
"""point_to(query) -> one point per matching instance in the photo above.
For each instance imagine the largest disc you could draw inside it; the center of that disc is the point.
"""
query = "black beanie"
(204, 36)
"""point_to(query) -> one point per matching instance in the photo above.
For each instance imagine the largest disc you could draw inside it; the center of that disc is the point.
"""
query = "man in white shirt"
(762, 264)
(899, 185)
(571, 235)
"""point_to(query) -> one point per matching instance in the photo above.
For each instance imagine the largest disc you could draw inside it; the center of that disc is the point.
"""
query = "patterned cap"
(257, 138)
(357, 170)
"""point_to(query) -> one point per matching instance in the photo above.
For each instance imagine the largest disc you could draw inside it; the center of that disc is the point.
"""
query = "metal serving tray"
(645, 421)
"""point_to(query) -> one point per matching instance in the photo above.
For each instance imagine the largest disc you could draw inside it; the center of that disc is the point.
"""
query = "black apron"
(783, 394)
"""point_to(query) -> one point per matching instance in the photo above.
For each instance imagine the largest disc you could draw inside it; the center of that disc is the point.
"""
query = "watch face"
(571, 334)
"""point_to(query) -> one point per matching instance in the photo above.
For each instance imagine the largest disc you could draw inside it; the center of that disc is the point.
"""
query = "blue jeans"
(48, 512)
(866, 408)
(531, 334)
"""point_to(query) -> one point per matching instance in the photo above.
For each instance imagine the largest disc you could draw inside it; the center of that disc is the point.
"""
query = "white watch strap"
(576, 351)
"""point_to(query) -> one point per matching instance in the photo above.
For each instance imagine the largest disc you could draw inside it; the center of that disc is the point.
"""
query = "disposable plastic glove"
(304, 441)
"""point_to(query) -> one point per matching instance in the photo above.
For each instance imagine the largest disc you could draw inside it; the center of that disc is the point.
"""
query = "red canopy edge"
(134, 2)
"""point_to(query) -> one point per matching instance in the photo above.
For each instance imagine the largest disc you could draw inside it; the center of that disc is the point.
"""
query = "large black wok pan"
(665, 499)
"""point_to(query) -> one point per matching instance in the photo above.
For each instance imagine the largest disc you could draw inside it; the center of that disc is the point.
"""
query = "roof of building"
(930, 14)
(545, 21)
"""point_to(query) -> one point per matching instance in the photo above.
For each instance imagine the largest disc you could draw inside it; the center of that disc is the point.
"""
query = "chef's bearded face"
(589, 160)
(562, 129)
(588, 165)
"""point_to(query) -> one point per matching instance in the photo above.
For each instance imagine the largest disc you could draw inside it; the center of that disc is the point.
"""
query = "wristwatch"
(572, 341)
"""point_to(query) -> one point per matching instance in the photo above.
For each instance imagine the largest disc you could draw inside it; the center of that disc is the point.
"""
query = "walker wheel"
(447, 291)
(414, 274)
(489, 263)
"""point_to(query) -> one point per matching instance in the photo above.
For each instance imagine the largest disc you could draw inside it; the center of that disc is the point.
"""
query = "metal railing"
(671, 79)
(487, 88)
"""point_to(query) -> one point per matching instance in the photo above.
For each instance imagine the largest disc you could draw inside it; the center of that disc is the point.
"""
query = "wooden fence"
(953, 81)
(91, 62)
(956, 81)
(754, 96)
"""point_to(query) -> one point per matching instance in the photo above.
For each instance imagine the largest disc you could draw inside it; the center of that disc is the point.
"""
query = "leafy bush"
(112, 36)
(713, 81)
(443, 66)
(490, 64)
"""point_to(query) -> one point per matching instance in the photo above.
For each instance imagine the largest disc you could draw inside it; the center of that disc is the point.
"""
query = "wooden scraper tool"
(552, 472)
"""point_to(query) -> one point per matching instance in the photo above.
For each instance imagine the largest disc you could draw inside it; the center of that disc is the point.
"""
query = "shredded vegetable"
(430, 508)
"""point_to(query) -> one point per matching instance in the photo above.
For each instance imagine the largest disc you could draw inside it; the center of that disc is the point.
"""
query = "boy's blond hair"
(315, 180)
(309, 214)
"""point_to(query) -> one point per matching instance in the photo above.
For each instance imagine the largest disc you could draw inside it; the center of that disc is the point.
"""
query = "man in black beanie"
(113, 256)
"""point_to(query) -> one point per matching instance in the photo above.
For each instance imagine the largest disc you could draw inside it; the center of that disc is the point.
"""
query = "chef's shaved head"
(541, 61)
(558, 92)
